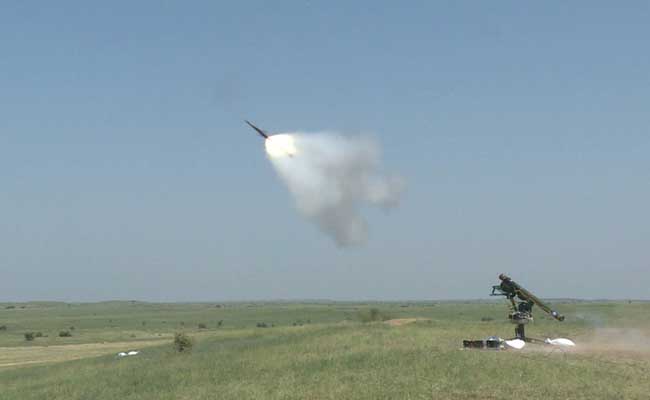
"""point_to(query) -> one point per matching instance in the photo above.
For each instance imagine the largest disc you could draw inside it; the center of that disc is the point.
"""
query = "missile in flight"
(261, 132)
(277, 145)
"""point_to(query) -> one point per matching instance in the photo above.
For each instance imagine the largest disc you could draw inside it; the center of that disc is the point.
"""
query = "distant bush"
(72, 328)
(372, 315)
(487, 319)
(144, 323)
(219, 323)
(65, 334)
(3, 327)
(38, 334)
(29, 336)
(262, 325)
(10, 307)
(182, 342)
(203, 326)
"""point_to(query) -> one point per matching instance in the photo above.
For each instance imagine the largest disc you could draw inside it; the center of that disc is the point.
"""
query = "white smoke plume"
(331, 177)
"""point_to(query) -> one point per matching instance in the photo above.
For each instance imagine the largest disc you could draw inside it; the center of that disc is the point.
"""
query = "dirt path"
(402, 321)
(17, 356)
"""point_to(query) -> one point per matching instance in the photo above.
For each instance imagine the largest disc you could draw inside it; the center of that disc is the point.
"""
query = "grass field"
(318, 351)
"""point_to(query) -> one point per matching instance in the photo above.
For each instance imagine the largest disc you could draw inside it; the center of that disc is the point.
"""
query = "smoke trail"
(331, 177)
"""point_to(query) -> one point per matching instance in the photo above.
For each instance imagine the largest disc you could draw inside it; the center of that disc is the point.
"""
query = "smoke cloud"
(332, 177)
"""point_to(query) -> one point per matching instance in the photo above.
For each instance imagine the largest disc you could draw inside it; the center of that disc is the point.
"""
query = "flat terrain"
(319, 350)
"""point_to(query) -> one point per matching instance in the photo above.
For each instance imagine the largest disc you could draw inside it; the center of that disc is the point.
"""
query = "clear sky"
(522, 129)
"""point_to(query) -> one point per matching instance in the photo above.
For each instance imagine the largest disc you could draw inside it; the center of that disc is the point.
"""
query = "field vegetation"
(319, 350)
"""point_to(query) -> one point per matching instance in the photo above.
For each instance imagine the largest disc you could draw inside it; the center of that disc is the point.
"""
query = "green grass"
(333, 357)
(123, 321)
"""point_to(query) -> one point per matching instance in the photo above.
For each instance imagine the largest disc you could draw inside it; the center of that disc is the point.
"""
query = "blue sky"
(127, 173)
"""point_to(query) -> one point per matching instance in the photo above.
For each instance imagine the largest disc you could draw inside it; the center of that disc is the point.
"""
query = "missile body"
(261, 132)
(276, 144)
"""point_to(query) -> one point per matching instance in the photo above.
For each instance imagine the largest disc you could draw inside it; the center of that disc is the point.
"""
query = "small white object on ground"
(517, 344)
(560, 342)
(130, 353)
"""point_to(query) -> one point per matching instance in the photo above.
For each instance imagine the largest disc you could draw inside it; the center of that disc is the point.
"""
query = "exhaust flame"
(330, 177)
(280, 146)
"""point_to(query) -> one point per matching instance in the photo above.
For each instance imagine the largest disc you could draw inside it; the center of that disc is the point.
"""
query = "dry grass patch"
(403, 321)
(19, 356)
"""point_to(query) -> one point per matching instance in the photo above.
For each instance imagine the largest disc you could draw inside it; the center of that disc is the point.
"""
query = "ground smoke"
(331, 177)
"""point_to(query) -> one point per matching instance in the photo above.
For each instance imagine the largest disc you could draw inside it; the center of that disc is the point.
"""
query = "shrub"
(262, 325)
(10, 307)
(38, 334)
(3, 327)
(487, 319)
(72, 328)
(182, 342)
(219, 323)
(203, 326)
(372, 315)
(29, 336)
(65, 334)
